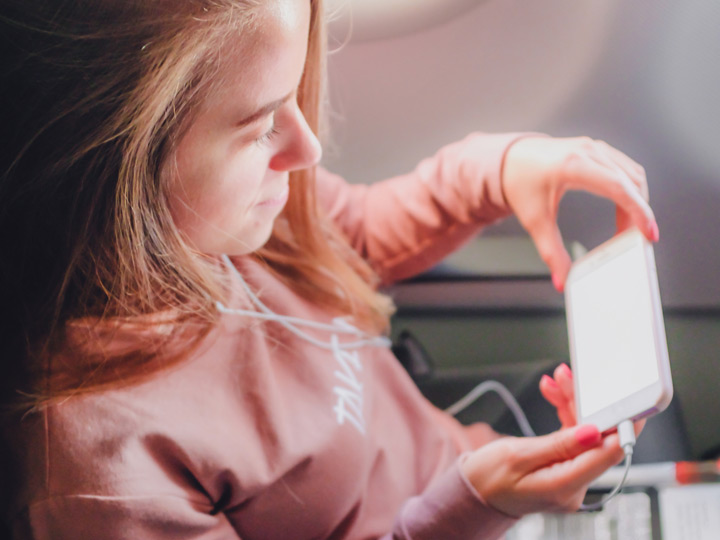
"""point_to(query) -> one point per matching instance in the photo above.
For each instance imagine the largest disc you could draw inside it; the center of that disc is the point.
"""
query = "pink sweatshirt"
(262, 435)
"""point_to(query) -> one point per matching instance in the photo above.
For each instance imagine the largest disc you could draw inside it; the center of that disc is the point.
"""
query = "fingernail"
(565, 370)
(549, 381)
(654, 232)
(588, 435)
(557, 283)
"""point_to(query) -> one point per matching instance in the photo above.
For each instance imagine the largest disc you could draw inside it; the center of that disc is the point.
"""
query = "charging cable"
(626, 430)
(626, 433)
(505, 395)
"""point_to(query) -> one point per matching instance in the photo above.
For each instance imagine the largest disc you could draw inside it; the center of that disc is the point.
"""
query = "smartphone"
(618, 348)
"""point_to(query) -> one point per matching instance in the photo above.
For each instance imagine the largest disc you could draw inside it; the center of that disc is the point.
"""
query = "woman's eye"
(268, 135)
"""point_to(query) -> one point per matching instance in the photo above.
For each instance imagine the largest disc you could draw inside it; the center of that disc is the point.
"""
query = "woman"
(197, 343)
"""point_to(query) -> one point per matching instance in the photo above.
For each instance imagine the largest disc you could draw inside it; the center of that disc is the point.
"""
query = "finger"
(564, 379)
(567, 417)
(600, 178)
(564, 410)
(628, 187)
(558, 446)
(575, 474)
(622, 164)
(623, 220)
(631, 168)
(628, 216)
(552, 393)
(611, 157)
(551, 249)
(606, 158)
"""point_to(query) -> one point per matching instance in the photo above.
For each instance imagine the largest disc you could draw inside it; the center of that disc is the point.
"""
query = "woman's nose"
(299, 148)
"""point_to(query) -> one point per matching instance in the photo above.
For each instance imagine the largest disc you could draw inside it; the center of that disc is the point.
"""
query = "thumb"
(551, 248)
(623, 220)
(563, 445)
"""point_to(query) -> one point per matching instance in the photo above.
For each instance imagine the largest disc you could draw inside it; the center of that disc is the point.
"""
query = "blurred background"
(408, 76)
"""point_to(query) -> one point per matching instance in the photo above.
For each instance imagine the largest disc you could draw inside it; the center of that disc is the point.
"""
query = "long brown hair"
(96, 94)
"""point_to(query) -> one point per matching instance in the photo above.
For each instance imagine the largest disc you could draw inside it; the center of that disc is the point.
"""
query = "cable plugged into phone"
(626, 434)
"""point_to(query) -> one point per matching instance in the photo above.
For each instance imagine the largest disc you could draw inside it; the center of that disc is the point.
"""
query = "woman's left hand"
(539, 170)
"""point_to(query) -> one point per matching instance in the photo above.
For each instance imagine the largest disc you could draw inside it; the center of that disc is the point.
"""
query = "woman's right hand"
(550, 473)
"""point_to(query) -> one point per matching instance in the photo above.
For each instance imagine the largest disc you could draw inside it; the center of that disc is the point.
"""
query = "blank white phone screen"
(613, 332)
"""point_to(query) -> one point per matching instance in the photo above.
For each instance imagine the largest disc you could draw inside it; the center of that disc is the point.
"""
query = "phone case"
(618, 348)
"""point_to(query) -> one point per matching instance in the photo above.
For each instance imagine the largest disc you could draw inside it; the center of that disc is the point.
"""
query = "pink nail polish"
(654, 232)
(557, 283)
(566, 370)
(588, 435)
(549, 381)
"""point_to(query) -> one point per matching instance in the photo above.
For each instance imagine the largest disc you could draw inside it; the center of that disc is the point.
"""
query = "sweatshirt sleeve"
(406, 224)
(450, 509)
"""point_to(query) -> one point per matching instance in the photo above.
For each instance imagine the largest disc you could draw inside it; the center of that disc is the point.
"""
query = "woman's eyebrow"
(264, 110)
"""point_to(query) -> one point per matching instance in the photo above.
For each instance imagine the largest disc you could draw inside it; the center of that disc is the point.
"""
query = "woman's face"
(231, 169)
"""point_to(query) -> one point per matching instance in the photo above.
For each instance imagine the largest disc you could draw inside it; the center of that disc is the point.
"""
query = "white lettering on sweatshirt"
(349, 404)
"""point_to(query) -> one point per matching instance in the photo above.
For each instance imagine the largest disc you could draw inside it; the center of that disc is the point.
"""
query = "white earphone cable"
(338, 326)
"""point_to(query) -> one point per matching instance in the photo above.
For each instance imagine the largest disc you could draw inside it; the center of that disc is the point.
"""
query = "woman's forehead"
(265, 61)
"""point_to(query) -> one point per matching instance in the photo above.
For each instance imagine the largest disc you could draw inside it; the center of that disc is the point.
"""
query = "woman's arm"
(407, 224)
